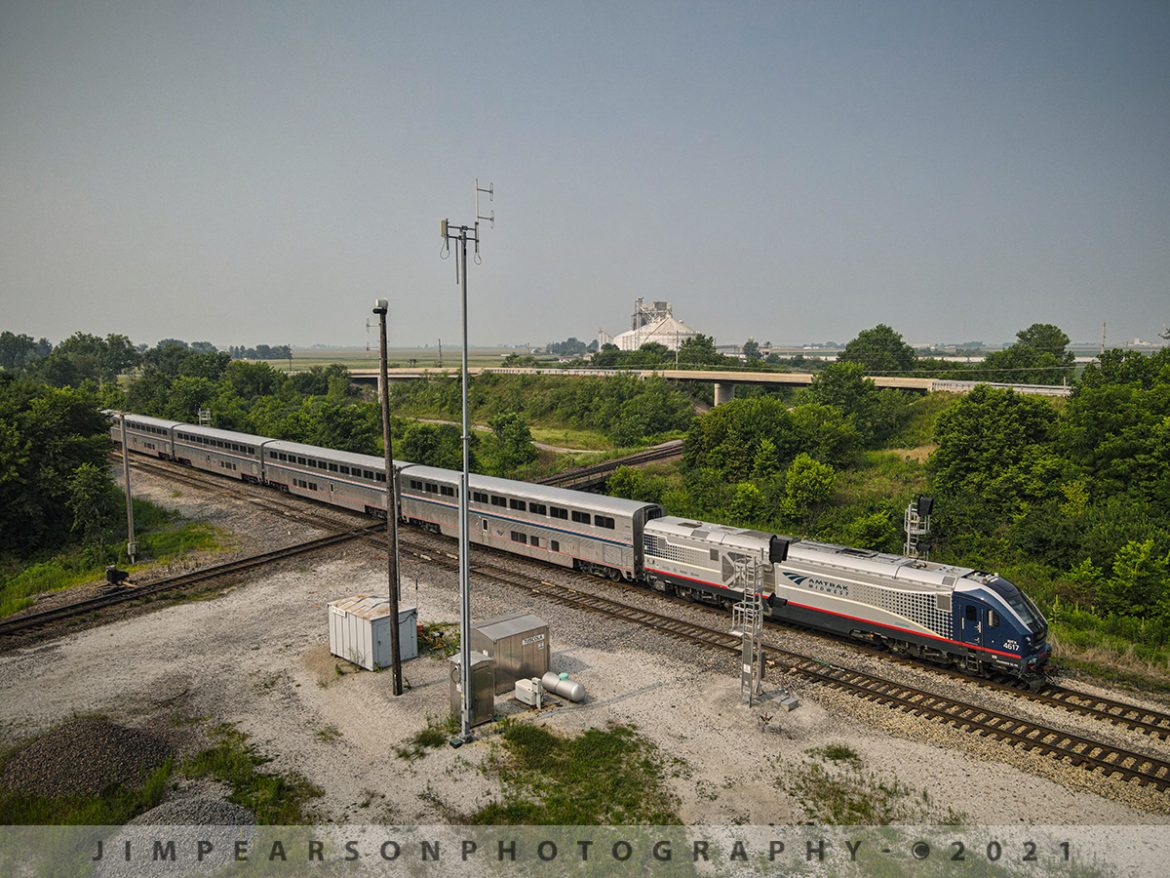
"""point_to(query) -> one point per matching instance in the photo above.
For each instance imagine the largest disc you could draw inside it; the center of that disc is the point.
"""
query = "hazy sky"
(249, 172)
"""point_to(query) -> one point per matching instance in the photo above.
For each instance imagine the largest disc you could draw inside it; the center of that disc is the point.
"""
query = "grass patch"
(275, 799)
(161, 536)
(611, 775)
(113, 807)
(571, 437)
(838, 753)
(843, 793)
(924, 412)
(439, 639)
(329, 734)
(438, 731)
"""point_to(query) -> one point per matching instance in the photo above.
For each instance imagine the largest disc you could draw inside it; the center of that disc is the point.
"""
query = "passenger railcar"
(597, 534)
(146, 435)
(226, 452)
(342, 478)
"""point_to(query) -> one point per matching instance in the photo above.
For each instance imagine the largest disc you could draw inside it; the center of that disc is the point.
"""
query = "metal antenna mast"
(461, 235)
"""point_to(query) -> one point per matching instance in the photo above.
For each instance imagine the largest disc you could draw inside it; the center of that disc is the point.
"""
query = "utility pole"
(131, 545)
(381, 308)
(461, 235)
(440, 353)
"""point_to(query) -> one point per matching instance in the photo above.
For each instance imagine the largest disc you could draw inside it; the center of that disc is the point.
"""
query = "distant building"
(652, 322)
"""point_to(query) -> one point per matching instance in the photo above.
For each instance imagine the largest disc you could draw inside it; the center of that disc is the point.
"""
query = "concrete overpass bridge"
(724, 381)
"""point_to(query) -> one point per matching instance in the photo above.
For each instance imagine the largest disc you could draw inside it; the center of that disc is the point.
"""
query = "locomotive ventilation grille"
(921, 608)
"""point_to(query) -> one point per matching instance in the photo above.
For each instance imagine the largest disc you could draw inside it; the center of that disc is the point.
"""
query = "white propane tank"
(570, 689)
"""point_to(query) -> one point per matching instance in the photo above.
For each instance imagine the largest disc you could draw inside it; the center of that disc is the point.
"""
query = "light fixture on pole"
(461, 235)
(382, 308)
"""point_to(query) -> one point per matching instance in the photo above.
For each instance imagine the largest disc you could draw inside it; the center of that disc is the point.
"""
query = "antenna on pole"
(462, 235)
(367, 335)
(491, 217)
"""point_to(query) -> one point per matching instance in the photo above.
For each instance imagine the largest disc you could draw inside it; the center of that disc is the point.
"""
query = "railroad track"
(993, 724)
(599, 472)
(33, 621)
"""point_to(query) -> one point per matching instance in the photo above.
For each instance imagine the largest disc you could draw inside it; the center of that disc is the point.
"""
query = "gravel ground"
(257, 656)
(84, 757)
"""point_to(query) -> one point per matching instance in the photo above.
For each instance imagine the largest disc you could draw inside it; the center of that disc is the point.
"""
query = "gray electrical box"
(519, 645)
(483, 695)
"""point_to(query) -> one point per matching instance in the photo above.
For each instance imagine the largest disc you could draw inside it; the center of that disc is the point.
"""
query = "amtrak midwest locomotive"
(950, 615)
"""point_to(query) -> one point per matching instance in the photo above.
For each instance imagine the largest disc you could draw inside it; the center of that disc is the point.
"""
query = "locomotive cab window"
(992, 619)
(971, 613)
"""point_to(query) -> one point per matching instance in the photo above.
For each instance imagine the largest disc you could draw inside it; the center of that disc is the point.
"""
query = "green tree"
(1138, 581)
(93, 502)
(46, 434)
(808, 483)
(252, 380)
(997, 445)
(699, 350)
(1039, 356)
(878, 350)
(19, 351)
(434, 445)
(513, 447)
(1117, 426)
(751, 351)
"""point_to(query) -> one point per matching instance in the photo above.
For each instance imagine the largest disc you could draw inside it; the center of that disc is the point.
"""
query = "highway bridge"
(724, 381)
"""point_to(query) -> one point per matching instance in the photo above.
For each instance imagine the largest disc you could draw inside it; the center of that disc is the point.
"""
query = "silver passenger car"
(225, 452)
(355, 481)
(144, 434)
(601, 535)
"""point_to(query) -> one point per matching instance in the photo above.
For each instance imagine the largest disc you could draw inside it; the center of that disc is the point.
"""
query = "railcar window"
(992, 619)
(332, 467)
(301, 461)
(603, 521)
(554, 545)
(518, 505)
(381, 477)
(368, 473)
(498, 501)
(446, 490)
(535, 541)
(557, 512)
(518, 537)
(580, 517)
(344, 470)
(479, 496)
(538, 509)
(416, 484)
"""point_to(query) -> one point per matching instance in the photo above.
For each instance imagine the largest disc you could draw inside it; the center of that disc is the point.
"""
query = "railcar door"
(970, 622)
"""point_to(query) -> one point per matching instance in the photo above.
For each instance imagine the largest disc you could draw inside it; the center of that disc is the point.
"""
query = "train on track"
(950, 615)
